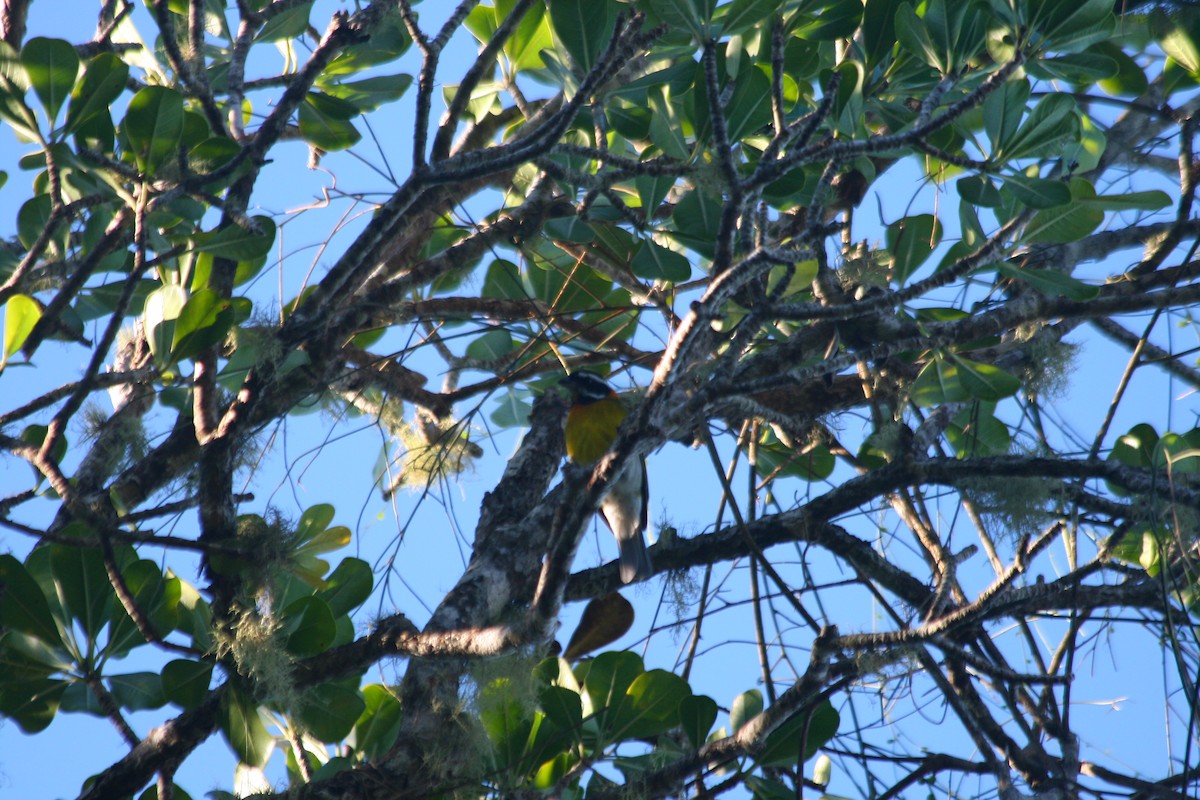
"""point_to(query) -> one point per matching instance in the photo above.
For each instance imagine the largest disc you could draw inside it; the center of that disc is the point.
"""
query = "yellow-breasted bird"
(592, 422)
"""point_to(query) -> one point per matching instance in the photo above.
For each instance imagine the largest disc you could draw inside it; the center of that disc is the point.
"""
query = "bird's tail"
(635, 559)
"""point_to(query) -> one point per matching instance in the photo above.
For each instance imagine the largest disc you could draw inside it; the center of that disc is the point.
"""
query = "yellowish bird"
(595, 415)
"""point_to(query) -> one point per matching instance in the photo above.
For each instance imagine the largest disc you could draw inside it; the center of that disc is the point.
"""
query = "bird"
(595, 415)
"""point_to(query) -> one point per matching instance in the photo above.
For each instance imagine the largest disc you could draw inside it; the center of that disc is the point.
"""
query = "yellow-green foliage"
(1050, 365)
(1014, 505)
(255, 644)
(433, 453)
(504, 679)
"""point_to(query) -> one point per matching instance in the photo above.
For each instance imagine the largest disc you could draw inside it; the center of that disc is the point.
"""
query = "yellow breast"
(591, 429)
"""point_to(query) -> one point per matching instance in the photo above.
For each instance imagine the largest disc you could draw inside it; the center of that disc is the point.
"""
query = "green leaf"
(237, 243)
(32, 703)
(310, 627)
(685, 15)
(138, 691)
(202, 275)
(1137, 447)
(1037, 192)
(985, 381)
(195, 617)
(330, 710)
(13, 85)
(1072, 24)
(978, 190)
(21, 314)
(975, 431)
(243, 728)
(1150, 558)
(775, 459)
(103, 82)
(1178, 454)
(23, 606)
(1180, 43)
(584, 27)
(1149, 200)
(153, 126)
(532, 36)
(491, 345)
(879, 29)
(503, 281)
(697, 219)
(632, 123)
(546, 743)
(101, 301)
(657, 263)
(348, 587)
(23, 657)
(956, 29)
(910, 241)
(185, 682)
(83, 584)
(764, 788)
(1069, 222)
(948, 36)
(798, 739)
(325, 122)
(745, 707)
(877, 450)
(213, 153)
(570, 229)
(36, 435)
(973, 235)
(938, 383)
(370, 93)
(743, 16)
(1129, 547)
(914, 37)
(52, 66)
(1143, 545)
(1079, 68)
(314, 521)
(650, 706)
(507, 722)
(35, 214)
(697, 713)
(1130, 79)
(1003, 111)
(1051, 282)
(835, 20)
(666, 124)
(558, 279)
(749, 107)
(163, 307)
(652, 190)
(608, 677)
(288, 24)
(1052, 121)
(1062, 224)
(388, 41)
(156, 596)
(562, 706)
(205, 320)
(377, 727)
(512, 409)
(151, 793)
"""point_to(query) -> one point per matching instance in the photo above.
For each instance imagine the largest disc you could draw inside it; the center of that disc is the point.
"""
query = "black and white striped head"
(587, 387)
